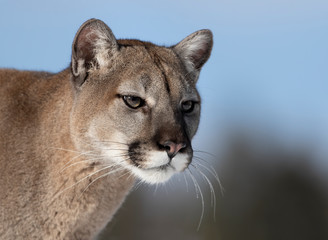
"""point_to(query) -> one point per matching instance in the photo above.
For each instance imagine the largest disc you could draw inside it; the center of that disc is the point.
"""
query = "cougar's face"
(143, 114)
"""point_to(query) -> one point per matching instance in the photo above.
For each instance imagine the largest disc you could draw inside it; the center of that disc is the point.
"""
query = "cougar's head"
(136, 104)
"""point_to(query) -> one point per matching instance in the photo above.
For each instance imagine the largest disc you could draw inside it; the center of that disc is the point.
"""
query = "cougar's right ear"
(93, 47)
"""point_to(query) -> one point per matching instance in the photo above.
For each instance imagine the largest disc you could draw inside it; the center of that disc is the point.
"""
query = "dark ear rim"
(81, 64)
(74, 61)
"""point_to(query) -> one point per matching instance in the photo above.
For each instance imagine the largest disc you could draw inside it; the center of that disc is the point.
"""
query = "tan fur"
(58, 131)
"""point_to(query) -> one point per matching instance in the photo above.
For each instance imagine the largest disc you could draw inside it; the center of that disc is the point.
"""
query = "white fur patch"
(153, 176)
(156, 159)
(180, 162)
(158, 175)
(151, 101)
(80, 69)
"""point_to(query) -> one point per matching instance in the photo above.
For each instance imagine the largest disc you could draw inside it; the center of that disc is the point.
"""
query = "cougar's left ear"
(195, 50)
(93, 47)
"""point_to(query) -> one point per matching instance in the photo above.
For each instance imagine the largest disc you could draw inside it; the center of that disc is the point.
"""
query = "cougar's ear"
(195, 50)
(93, 47)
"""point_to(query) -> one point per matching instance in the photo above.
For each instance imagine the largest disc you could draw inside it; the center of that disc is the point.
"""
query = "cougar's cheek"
(112, 147)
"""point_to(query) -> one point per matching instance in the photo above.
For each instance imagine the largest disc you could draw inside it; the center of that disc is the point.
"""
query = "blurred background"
(264, 124)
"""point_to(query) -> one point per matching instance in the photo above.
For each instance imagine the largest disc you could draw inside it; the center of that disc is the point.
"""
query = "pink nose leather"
(172, 148)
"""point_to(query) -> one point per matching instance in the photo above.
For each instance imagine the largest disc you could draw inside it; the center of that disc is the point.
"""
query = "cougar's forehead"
(155, 74)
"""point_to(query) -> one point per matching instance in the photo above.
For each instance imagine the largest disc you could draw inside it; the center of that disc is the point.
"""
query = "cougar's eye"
(133, 102)
(187, 106)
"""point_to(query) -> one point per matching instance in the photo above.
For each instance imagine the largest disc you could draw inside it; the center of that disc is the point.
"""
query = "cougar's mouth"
(161, 168)
(150, 166)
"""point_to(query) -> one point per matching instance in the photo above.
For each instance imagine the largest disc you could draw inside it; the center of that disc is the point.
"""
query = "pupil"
(135, 100)
(187, 105)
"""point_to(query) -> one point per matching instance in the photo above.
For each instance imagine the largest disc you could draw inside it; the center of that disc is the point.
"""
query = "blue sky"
(268, 71)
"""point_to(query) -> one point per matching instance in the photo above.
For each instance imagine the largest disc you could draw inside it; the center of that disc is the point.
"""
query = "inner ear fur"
(93, 46)
(195, 50)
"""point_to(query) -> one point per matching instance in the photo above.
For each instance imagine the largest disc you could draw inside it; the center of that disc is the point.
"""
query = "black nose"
(173, 148)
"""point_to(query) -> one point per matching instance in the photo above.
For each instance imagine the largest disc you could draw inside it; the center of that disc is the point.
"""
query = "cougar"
(72, 144)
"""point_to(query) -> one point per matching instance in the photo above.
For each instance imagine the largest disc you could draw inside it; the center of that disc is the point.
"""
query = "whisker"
(81, 154)
(108, 141)
(156, 187)
(83, 161)
(137, 185)
(212, 171)
(185, 178)
(123, 155)
(203, 160)
(127, 172)
(201, 195)
(113, 149)
(104, 175)
(67, 150)
(130, 175)
(92, 144)
(213, 196)
(89, 160)
(208, 153)
(90, 175)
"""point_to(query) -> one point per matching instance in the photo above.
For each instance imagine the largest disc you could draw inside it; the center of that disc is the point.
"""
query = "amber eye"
(187, 106)
(133, 102)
